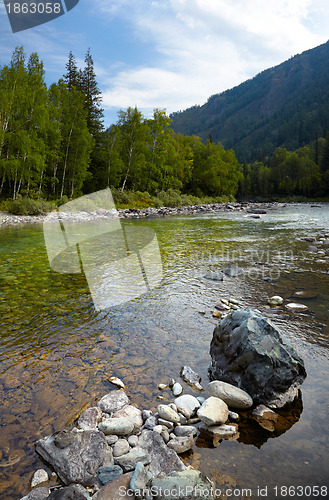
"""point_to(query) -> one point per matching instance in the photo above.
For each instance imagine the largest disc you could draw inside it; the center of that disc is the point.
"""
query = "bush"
(27, 206)
(131, 199)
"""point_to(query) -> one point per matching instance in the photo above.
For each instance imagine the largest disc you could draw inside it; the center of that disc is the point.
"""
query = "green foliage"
(28, 206)
(131, 199)
(284, 173)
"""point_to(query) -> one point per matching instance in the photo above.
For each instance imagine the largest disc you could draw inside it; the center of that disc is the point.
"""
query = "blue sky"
(171, 54)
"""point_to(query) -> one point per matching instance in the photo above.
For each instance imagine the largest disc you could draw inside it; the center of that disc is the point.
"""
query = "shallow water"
(57, 352)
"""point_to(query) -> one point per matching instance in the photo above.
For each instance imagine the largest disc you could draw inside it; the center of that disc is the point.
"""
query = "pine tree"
(72, 77)
(93, 98)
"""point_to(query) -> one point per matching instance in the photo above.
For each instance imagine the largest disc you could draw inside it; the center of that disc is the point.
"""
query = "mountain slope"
(287, 105)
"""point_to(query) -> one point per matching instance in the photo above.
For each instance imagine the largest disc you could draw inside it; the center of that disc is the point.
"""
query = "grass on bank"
(122, 199)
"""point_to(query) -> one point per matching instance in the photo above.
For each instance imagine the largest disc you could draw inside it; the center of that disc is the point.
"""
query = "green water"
(57, 352)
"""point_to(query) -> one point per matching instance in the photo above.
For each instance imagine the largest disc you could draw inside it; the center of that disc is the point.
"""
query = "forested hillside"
(285, 106)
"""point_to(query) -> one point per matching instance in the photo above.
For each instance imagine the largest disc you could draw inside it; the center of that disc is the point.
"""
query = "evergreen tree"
(72, 76)
(88, 85)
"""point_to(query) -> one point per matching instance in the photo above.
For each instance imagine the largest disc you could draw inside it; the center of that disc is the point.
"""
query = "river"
(57, 352)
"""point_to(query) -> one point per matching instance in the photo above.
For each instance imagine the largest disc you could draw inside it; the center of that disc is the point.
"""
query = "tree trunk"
(2, 183)
(65, 163)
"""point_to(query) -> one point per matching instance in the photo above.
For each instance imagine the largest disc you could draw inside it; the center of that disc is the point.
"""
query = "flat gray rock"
(132, 413)
(113, 401)
(163, 459)
(233, 396)
(74, 455)
(221, 431)
(139, 480)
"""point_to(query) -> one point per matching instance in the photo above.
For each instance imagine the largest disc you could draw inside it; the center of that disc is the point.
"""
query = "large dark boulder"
(249, 352)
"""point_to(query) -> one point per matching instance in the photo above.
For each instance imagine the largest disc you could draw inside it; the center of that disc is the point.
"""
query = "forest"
(54, 146)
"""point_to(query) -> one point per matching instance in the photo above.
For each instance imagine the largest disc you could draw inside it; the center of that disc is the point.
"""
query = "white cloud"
(207, 46)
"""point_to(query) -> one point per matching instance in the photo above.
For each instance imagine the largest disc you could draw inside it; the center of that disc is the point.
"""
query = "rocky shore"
(117, 450)
(253, 210)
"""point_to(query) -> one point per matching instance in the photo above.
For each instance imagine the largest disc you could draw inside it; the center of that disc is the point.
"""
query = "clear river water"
(57, 352)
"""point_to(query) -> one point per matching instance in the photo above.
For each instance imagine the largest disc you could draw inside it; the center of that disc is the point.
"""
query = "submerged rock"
(233, 270)
(265, 417)
(248, 351)
(295, 306)
(276, 300)
(218, 276)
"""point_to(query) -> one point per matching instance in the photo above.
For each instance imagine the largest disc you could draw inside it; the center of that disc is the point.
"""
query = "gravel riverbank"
(254, 210)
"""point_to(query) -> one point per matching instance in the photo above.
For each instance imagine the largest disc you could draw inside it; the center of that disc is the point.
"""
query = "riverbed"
(58, 352)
